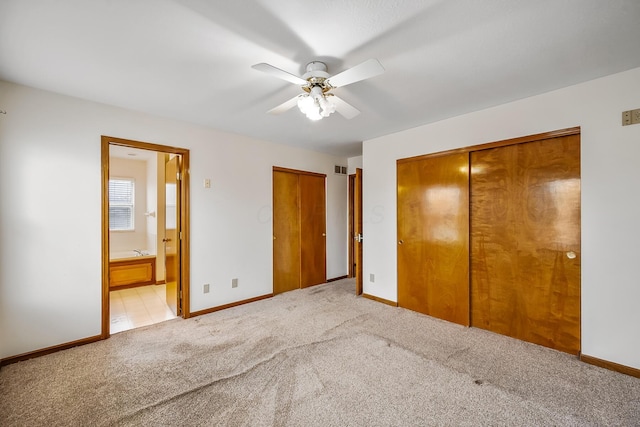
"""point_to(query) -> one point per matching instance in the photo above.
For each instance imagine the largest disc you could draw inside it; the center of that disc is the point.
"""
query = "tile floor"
(136, 307)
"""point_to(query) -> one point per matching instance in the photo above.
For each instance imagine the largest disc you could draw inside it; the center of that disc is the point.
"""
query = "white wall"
(353, 163)
(127, 241)
(50, 290)
(610, 197)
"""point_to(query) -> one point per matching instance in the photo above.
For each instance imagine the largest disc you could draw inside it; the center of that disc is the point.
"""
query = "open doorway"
(145, 235)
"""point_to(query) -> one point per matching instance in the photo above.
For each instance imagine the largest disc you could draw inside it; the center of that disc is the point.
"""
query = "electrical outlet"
(372, 277)
(207, 183)
(631, 117)
(234, 283)
(205, 288)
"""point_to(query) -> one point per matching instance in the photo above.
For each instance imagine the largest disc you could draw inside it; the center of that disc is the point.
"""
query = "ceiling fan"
(317, 101)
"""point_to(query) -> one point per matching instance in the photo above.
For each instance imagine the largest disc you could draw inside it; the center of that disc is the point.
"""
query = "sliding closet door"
(286, 232)
(312, 230)
(525, 241)
(433, 236)
(299, 229)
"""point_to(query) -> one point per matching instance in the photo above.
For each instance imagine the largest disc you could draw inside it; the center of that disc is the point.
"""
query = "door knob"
(324, 234)
(400, 241)
(166, 240)
(571, 255)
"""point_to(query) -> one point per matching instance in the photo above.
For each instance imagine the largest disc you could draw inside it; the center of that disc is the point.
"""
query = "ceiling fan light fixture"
(314, 115)
(327, 106)
(306, 105)
(315, 105)
(317, 102)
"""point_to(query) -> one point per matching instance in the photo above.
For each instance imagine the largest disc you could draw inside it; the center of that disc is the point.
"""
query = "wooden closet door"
(433, 236)
(286, 232)
(525, 240)
(312, 230)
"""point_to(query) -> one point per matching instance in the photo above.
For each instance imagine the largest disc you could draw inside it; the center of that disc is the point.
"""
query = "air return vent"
(340, 170)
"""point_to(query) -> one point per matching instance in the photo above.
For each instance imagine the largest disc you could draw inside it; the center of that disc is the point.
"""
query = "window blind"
(121, 204)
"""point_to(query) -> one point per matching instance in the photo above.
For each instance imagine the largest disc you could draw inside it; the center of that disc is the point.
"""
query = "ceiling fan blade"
(281, 74)
(347, 110)
(284, 106)
(365, 70)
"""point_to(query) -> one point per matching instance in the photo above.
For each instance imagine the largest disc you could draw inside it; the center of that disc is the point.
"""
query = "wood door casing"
(313, 268)
(433, 236)
(286, 232)
(525, 241)
(185, 273)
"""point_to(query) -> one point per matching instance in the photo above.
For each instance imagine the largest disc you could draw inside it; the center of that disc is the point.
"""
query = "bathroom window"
(121, 204)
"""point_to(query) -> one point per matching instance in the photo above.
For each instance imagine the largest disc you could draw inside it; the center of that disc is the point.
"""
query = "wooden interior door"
(351, 271)
(313, 266)
(433, 236)
(357, 225)
(172, 234)
(286, 232)
(525, 241)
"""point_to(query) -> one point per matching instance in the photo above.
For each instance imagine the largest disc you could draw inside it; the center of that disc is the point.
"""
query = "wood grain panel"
(313, 269)
(286, 232)
(136, 271)
(351, 271)
(433, 236)
(525, 241)
(358, 229)
(172, 239)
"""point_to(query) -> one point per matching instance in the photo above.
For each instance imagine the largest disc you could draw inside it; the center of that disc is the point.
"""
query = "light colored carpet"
(313, 357)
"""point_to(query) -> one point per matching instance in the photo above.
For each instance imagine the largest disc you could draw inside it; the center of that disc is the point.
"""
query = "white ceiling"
(191, 59)
(131, 153)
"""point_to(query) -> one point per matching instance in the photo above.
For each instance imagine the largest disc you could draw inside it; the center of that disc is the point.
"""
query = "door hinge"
(178, 176)
(181, 235)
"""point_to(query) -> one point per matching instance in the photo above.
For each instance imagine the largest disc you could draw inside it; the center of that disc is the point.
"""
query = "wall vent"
(340, 170)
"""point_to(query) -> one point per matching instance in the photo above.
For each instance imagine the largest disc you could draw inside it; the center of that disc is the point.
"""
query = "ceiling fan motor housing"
(317, 75)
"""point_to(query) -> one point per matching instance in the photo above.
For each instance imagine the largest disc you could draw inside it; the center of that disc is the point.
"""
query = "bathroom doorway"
(145, 235)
